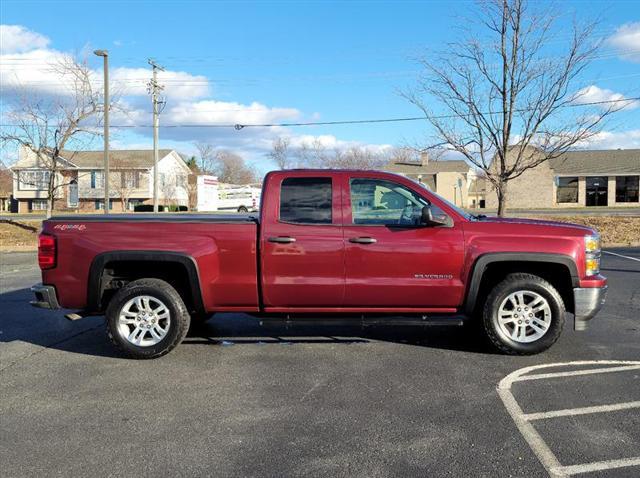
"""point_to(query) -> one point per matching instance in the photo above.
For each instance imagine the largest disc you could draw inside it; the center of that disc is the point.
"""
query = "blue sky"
(281, 61)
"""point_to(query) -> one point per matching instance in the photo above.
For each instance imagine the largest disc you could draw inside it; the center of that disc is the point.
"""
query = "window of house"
(381, 202)
(97, 179)
(33, 180)
(72, 193)
(306, 200)
(130, 179)
(38, 204)
(99, 204)
(567, 191)
(627, 188)
(181, 180)
(133, 203)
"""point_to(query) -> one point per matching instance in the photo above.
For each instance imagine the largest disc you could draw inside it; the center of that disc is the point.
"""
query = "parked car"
(326, 243)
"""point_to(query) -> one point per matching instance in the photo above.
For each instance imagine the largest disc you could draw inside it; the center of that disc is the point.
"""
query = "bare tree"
(357, 157)
(168, 188)
(207, 155)
(123, 180)
(313, 154)
(504, 104)
(404, 154)
(232, 168)
(281, 153)
(44, 126)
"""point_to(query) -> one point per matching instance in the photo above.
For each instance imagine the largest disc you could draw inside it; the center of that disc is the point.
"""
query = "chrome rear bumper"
(588, 302)
(45, 297)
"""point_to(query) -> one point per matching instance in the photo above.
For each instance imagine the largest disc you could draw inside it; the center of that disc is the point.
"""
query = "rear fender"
(96, 287)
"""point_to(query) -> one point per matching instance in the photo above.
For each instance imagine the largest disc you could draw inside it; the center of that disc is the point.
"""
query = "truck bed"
(223, 247)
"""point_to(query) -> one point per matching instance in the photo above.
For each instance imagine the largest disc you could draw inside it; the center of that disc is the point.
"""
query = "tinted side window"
(306, 200)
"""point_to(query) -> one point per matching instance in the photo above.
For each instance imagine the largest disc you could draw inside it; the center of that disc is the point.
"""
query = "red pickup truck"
(327, 243)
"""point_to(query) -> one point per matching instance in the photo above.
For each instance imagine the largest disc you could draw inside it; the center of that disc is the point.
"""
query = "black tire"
(522, 282)
(178, 313)
(243, 209)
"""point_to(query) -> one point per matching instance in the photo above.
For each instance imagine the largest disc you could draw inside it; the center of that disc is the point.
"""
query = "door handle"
(282, 240)
(363, 240)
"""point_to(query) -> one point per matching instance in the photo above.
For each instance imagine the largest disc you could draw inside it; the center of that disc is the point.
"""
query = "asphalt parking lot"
(238, 399)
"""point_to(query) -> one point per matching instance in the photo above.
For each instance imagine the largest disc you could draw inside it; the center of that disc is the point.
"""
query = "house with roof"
(79, 180)
(607, 178)
(6, 192)
(450, 179)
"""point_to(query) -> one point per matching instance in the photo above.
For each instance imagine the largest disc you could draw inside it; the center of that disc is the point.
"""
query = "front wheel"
(147, 318)
(523, 315)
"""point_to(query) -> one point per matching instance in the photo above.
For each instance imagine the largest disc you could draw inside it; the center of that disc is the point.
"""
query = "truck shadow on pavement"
(49, 329)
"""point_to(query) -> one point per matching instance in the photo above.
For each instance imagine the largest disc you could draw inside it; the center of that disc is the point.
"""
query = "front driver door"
(391, 261)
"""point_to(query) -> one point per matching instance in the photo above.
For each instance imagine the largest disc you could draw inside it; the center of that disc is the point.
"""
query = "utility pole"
(154, 89)
(105, 55)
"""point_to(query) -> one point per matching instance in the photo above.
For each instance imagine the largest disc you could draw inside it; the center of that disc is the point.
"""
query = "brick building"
(577, 179)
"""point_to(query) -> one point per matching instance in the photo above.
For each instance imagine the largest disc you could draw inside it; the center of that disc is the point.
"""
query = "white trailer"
(207, 193)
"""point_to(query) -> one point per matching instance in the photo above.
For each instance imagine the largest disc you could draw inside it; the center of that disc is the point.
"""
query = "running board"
(424, 321)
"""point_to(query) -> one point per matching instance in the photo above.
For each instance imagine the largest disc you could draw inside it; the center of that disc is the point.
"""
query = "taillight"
(46, 251)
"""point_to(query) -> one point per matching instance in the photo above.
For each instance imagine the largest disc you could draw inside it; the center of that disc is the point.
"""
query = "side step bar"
(363, 321)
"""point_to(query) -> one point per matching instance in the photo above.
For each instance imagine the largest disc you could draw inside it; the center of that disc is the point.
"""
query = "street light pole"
(105, 56)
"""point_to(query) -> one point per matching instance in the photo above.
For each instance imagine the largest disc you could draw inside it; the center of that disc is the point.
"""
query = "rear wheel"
(523, 315)
(147, 319)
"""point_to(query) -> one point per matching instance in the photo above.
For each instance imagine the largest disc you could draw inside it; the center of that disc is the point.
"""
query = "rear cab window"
(306, 200)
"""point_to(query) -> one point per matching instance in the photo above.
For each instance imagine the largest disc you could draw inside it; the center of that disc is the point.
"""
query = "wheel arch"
(97, 285)
(502, 263)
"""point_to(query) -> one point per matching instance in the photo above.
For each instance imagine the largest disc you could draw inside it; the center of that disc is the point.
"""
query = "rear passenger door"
(302, 243)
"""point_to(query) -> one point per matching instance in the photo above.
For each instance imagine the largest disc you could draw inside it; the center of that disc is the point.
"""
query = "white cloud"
(177, 84)
(595, 94)
(28, 66)
(614, 140)
(32, 72)
(18, 39)
(626, 40)
(222, 112)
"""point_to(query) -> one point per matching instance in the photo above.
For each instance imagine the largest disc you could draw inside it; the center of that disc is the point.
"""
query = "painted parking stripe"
(596, 466)
(523, 421)
(620, 255)
(582, 411)
(574, 373)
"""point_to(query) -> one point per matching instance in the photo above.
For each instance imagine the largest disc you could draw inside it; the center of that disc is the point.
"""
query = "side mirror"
(427, 218)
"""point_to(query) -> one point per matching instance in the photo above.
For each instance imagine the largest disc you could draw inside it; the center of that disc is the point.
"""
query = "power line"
(239, 126)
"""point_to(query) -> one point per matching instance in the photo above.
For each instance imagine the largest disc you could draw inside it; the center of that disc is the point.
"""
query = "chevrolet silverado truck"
(330, 244)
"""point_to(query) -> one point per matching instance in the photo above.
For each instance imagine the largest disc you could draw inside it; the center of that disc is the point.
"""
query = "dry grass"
(19, 235)
(614, 230)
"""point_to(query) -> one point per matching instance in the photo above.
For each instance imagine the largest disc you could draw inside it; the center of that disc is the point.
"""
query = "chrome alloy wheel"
(524, 316)
(144, 321)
